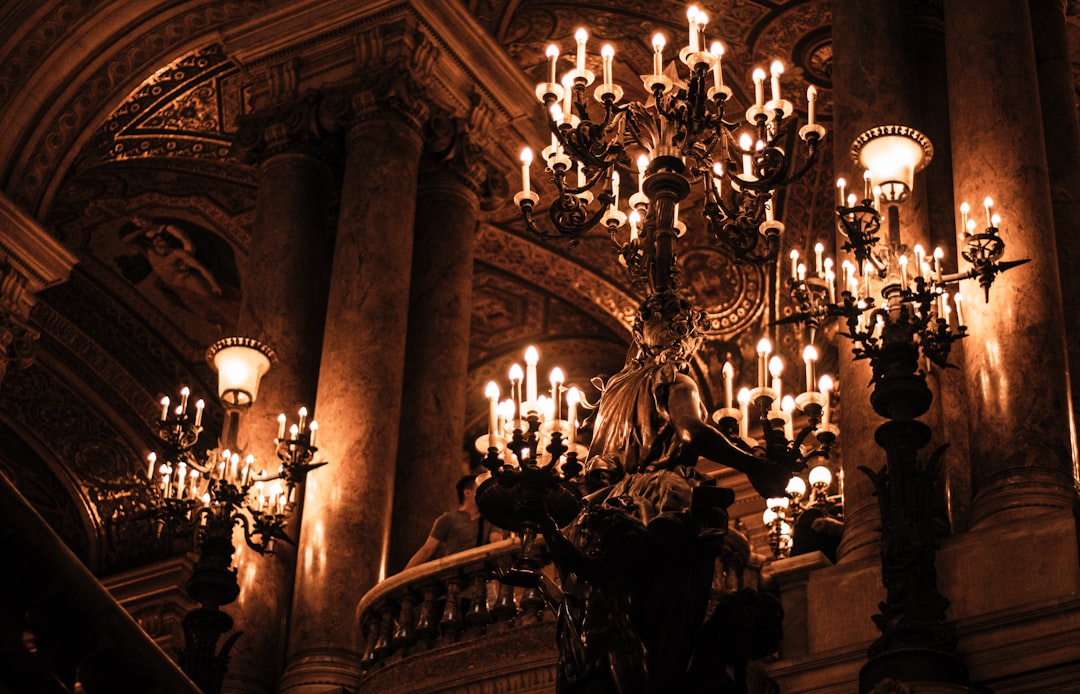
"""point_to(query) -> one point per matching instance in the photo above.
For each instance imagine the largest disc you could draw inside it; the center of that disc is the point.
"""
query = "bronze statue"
(636, 564)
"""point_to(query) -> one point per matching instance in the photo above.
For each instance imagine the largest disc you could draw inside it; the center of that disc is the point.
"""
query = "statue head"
(667, 328)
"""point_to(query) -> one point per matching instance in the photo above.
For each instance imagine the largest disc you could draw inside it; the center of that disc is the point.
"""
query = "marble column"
(1061, 130)
(1015, 360)
(344, 541)
(871, 87)
(431, 456)
(284, 306)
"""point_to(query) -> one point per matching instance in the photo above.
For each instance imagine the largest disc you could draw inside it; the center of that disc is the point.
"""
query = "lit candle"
(234, 466)
(801, 272)
(573, 397)
(729, 383)
(764, 348)
(939, 254)
(557, 379)
(491, 392)
(581, 36)
(809, 355)
(830, 279)
(958, 299)
(642, 165)
(902, 261)
(811, 104)
(635, 219)
(867, 269)
(281, 426)
(745, 143)
(165, 408)
(744, 409)
(313, 428)
(199, 405)
(995, 220)
(303, 418)
(607, 54)
(658, 43)
(776, 368)
(777, 68)
(819, 248)
(692, 17)
(717, 50)
(532, 356)
(868, 186)
(185, 391)
(152, 458)
(919, 255)
(294, 433)
(825, 387)
(964, 210)
(526, 161)
(553, 59)
(787, 406)
(840, 185)
(718, 178)
(945, 309)
(759, 88)
(794, 255)
(988, 204)
(516, 376)
(249, 460)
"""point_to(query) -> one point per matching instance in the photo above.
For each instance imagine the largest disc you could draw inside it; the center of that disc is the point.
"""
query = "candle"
(729, 383)
(581, 36)
(867, 269)
(516, 376)
(642, 165)
(185, 391)
(801, 272)
(245, 476)
(744, 409)
(777, 68)
(868, 187)
(764, 347)
(787, 406)
(199, 405)
(811, 104)
(718, 178)
(557, 379)
(830, 279)
(964, 210)
(840, 185)
(165, 408)
(939, 254)
(573, 397)
(314, 429)
(988, 204)
(809, 356)
(759, 88)
(152, 458)
(958, 299)
(902, 261)
(635, 219)
(491, 392)
(770, 215)
(526, 161)
(532, 356)
(945, 309)
(658, 43)
(819, 248)
(824, 387)
(776, 368)
(281, 426)
(303, 418)
(919, 255)
(607, 54)
(794, 255)
(717, 50)
(692, 17)
(745, 143)
(553, 59)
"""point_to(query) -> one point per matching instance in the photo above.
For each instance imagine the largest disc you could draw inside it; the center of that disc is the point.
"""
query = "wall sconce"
(240, 362)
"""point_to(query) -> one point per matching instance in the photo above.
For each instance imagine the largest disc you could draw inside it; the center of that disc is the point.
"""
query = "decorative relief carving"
(143, 54)
(306, 125)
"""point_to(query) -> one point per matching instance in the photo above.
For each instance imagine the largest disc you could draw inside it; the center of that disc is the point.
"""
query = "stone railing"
(451, 625)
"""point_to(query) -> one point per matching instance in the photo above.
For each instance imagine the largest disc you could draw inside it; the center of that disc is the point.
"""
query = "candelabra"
(684, 141)
(224, 491)
(533, 456)
(913, 320)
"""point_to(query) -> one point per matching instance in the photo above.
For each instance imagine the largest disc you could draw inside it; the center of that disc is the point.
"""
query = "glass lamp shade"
(240, 362)
(796, 487)
(820, 476)
(779, 503)
(893, 154)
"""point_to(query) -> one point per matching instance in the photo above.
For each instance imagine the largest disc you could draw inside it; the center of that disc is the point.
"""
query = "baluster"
(426, 626)
(451, 618)
(504, 607)
(478, 613)
(532, 603)
(371, 626)
(386, 628)
(405, 635)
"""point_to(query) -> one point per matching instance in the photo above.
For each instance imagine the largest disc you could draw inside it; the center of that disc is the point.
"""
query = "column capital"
(305, 125)
(458, 146)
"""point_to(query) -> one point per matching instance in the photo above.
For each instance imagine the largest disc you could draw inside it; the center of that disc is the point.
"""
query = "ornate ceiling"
(114, 110)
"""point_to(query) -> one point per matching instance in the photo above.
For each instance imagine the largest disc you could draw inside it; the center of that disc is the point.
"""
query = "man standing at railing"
(457, 530)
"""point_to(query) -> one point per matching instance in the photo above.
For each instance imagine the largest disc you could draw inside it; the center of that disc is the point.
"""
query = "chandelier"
(681, 140)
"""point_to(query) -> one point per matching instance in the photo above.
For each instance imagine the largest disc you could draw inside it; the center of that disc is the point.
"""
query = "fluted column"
(1015, 362)
(283, 305)
(430, 457)
(346, 527)
(1061, 129)
(871, 78)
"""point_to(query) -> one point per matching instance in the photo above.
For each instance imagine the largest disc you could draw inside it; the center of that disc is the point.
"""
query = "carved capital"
(455, 145)
(307, 125)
